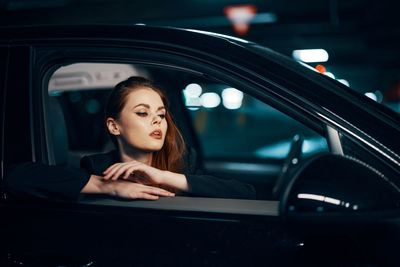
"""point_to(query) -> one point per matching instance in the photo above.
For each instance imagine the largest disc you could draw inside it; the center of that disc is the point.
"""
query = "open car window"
(236, 135)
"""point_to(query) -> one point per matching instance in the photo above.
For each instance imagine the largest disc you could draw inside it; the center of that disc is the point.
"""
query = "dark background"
(361, 37)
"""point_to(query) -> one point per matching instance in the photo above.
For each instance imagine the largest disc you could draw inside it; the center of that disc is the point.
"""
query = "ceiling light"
(210, 100)
(192, 90)
(232, 98)
(311, 55)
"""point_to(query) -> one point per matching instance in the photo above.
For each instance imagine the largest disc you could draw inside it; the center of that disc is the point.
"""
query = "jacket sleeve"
(87, 164)
(204, 184)
(33, 179)
(97, 163)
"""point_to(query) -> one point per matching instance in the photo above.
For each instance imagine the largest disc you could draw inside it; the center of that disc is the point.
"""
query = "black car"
(325, 160)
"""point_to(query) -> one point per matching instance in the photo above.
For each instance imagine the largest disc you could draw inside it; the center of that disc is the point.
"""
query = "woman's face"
(142, 124)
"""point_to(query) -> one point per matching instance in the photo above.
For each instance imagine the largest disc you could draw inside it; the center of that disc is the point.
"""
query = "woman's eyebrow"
(148, 106)
(141, 104)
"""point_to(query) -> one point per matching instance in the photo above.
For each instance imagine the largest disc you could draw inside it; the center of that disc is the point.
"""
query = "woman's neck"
(129, 155)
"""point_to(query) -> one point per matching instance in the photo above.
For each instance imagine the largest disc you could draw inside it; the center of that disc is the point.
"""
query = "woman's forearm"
(95, 185)
(123, 189)
(175, 180)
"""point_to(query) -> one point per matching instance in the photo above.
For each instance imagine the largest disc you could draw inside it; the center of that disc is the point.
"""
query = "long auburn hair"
(170, 156)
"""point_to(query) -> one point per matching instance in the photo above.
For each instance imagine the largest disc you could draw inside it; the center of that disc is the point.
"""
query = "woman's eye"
(141, 114)
(162, 116)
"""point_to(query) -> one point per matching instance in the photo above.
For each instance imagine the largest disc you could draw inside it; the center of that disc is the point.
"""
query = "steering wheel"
(292, 159)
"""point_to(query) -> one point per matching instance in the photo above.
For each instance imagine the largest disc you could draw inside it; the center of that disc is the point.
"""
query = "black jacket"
(37, 180)
(200, 183)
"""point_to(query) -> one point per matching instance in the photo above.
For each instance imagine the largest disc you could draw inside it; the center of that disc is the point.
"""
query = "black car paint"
(45, 233)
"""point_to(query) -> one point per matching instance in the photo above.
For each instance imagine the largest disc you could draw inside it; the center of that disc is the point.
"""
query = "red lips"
(157, 134)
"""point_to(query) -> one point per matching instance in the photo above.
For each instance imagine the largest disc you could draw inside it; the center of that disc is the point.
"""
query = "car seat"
(57, 143)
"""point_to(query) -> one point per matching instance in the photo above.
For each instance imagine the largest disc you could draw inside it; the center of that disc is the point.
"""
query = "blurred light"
(320, 68)
(326, 199)
(219, 35)
(210, 100)
(379, 96)
(191, 93)
(240, 16)
(311, 55)
(345, 82)
(313, 145)
(371, 95)
(311, 196)
(332, 200)
(232, 98)
(329, 74)
(193, 90)
(192, 102)
(55, 93)
(319, 198)
(278, 150)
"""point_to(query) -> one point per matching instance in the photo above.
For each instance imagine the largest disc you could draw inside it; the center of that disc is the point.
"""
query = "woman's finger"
(117, 171)
(142, 195)
(131, 170)
(124, 171)
(117, 164)
(111, 170)
(153, 189)
(158, 191)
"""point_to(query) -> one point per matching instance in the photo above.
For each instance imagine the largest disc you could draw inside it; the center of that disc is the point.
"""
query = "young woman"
(151, 158)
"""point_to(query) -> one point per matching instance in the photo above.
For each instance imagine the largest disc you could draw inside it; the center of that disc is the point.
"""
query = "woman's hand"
(130, 190)
(134, 171)
(141, 173)
(123, 189)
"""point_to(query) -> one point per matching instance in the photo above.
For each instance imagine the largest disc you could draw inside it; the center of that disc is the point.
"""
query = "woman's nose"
(156, 120)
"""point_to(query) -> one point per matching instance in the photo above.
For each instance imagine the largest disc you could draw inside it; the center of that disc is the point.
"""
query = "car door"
(43, 232)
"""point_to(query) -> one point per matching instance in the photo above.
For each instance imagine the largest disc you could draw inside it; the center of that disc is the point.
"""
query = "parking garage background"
(361, 39)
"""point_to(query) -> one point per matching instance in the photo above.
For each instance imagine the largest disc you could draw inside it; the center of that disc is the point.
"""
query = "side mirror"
(329, 184)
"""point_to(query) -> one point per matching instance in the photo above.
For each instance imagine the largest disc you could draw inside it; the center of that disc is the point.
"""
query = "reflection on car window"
(232, 124)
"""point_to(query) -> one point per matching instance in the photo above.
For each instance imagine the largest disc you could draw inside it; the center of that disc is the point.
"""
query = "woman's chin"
(154, 148)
